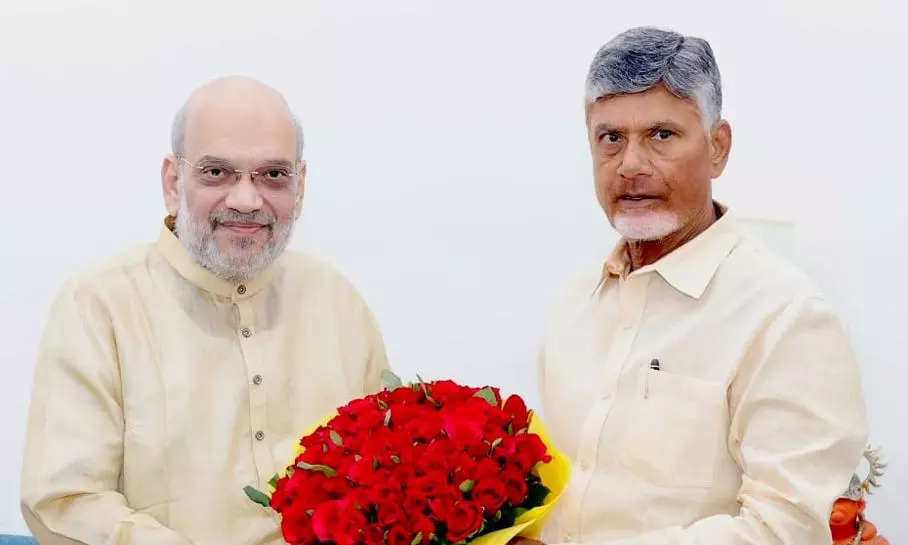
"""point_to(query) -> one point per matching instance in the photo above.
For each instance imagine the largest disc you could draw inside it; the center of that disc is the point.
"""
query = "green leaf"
(466, 486)
(537, 495)
(317, 467)
(273, 481)
(489, 395)
(390, 380)
(336, 438)
(388, 418)
(417, 539)
(257, 496)
(374, 464)
(382, 405)
(519, 511)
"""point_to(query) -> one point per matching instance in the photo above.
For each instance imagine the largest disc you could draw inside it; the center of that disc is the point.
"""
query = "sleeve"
(74, 437)
(798, 430)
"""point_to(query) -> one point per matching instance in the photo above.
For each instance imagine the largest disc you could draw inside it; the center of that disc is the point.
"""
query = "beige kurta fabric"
(162, 390)
(752, 425)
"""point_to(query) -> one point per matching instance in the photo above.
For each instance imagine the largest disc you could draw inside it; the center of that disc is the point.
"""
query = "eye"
(610, 137)
(213, 172)
(276, 174)
(664, 134)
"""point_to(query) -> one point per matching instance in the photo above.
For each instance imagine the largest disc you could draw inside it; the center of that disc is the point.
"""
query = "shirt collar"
(181, 260)
(689, 268)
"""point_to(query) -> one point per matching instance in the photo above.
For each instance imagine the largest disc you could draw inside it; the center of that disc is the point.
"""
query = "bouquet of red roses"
(430, 463)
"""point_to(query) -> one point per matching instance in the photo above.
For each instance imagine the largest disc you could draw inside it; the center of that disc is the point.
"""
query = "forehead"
(240, 132)
(640, 111)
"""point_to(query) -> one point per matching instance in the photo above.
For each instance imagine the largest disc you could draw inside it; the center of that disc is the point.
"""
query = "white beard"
(646, 226)
(197, 237)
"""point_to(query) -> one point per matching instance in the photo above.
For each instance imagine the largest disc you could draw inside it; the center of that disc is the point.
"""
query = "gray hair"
(178, 133)
(641, 58)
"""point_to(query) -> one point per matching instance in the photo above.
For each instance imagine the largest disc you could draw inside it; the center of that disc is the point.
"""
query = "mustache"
(232, 216)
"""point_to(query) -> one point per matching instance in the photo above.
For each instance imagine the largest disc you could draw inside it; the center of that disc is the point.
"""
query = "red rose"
(485, 469)
(446, 390)
(296, 526)
(397, 535)
(390, 513)
(526, 450)
(442, 500)
(464, 520)
(516, 409)
(515, 485)
(326, 519)
(416, 504)
(350, 527)
(465, 424)
(374, 535)
(423, 526)
(490, 494)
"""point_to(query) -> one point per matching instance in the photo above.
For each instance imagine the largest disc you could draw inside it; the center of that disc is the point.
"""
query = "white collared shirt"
(748, 431)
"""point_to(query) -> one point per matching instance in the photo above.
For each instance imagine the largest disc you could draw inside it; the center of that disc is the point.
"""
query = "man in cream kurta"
(752, 425)
(704, 388)
(164, 387)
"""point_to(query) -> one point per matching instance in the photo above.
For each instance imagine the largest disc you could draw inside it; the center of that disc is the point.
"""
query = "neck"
(647, 252)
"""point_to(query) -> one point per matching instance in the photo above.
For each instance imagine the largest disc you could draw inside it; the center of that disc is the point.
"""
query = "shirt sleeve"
(74, 438)
(798, 431)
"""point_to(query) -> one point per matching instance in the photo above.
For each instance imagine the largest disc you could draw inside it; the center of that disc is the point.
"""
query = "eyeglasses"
(219, 172)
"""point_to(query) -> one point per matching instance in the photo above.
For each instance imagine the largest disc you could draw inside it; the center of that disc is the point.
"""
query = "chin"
(646, 227)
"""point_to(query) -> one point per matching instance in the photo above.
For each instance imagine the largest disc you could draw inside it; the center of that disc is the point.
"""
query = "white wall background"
(449, 175)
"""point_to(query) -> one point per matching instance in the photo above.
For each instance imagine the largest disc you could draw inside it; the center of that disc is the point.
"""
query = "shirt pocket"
(677, 426)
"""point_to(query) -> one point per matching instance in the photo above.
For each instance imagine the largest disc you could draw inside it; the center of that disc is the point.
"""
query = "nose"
(635, 162)
(244, 196)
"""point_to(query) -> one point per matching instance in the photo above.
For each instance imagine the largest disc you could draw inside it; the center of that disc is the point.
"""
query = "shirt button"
(241, 289)
(259, 435)
(257, 379)
(247, 332)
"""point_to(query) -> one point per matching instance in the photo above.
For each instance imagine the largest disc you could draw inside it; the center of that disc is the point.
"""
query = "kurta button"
(241, 289)
(259, 435)
(247, 332)
(257, 379)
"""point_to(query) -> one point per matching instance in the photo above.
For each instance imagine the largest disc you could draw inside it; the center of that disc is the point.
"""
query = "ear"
(301, 190)
(720, 145)
(170, 180)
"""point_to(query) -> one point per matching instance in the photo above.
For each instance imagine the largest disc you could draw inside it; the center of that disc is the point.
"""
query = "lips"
(242, 228)
(637, 201)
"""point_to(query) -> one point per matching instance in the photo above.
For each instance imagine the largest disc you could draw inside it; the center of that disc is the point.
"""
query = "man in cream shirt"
(705, 389)
(175, 374)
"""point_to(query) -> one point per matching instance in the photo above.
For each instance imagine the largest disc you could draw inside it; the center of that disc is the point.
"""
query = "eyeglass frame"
(238, 174)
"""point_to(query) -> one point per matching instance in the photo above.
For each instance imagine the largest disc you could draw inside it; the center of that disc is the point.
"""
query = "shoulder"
(753, 268)
(305, 273)
(108, 276)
